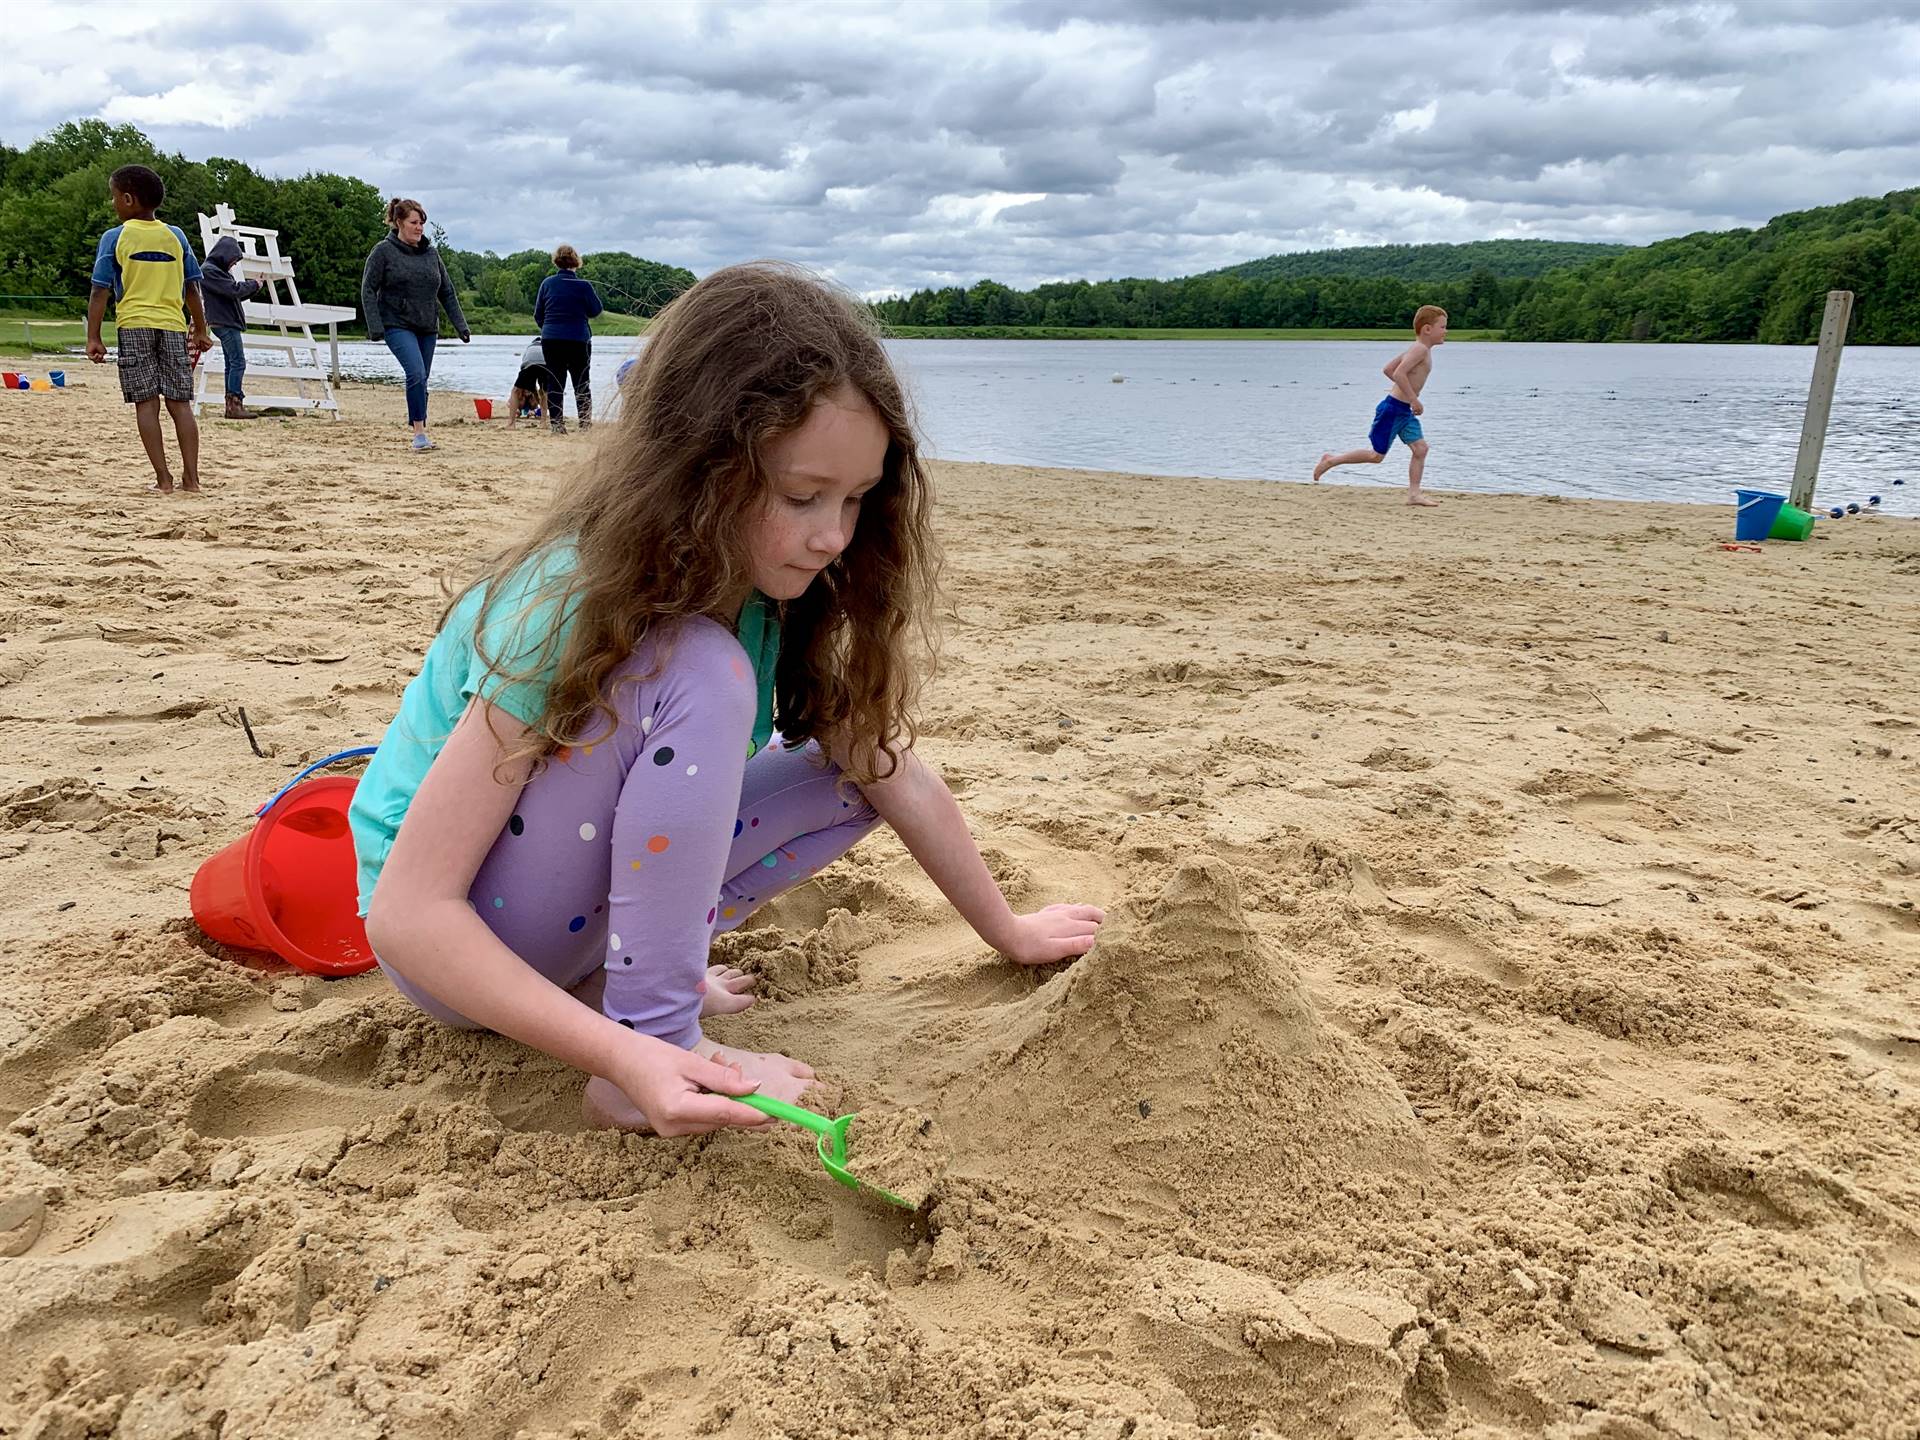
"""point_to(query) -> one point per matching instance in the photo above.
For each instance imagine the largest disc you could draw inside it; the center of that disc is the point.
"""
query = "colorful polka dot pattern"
(643, 955)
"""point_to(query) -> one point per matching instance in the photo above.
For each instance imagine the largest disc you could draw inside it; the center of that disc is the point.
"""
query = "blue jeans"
(414, 350)
(233, 348)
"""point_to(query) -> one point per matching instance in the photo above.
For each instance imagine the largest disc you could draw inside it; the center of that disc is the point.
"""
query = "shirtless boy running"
(1397, 415)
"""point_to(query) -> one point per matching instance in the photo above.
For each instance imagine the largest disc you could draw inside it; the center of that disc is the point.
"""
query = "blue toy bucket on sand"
(1754, 518)
(59, 379)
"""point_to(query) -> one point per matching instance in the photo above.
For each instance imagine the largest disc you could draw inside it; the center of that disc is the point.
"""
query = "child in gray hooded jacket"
(224, 293)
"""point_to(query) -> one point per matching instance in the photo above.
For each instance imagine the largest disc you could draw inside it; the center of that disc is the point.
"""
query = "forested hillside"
(1764, 285)
(1504, 259)
(54, 208)
(1767, 285)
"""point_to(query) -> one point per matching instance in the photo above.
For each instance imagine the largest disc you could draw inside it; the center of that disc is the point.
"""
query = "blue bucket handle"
(317, 765)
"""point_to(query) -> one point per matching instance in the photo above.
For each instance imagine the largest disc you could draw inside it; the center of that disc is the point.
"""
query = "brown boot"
(237, 411)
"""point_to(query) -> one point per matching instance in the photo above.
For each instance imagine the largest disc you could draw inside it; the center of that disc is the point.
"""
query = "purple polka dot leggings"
(631, 853)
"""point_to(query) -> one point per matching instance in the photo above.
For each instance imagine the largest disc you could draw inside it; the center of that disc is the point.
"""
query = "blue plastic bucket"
(1754, 518)
(59, 379)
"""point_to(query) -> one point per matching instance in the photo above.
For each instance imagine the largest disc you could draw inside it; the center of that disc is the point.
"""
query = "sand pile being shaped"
(1180, 1071)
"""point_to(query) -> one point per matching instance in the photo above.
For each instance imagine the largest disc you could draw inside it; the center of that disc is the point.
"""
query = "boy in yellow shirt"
(150, 271)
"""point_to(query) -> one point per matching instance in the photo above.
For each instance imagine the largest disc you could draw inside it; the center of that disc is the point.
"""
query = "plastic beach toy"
(1792, 523)
(1756, 513)
(832, 1146)
(58, 379)
(483, 407)
(290, 885)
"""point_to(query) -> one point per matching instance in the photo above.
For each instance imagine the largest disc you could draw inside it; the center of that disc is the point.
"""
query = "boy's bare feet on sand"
(727, 991)
(1416, 498)
(191, 484)
(1326, 464)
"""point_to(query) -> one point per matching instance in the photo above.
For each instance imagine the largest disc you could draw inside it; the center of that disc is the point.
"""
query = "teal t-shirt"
(453, 674)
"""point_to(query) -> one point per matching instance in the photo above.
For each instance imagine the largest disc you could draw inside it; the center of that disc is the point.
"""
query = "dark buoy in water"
(1853, 509)
(1873, 499)
(1837, 513)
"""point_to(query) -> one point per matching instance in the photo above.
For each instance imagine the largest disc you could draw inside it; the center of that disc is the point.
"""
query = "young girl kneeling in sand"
(579, 789)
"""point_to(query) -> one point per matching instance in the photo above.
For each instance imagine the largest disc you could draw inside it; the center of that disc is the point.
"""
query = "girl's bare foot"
(727, 991)
(1326, 464)
(780, 1076)
(191, 484)
(1416, 498)
(162, 486)
(605, 1106)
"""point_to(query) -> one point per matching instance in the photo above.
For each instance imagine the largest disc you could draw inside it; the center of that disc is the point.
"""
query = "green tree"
(329, 224)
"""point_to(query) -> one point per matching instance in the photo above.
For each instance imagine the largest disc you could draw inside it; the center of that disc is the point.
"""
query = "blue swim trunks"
(1393, 419)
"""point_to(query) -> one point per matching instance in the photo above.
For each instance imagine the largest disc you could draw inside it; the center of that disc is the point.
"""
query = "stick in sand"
(258, 753)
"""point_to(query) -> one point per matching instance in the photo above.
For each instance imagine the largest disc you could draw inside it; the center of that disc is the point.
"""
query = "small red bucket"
(291, 885)
(12, 380)
(483, 407)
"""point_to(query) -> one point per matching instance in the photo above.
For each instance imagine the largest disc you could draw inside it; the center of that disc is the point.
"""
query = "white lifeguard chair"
(297, 365)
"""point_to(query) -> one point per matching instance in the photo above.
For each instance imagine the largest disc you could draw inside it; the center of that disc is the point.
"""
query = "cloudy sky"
(940, 141)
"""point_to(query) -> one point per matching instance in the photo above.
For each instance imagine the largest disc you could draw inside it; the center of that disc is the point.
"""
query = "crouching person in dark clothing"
(565, 304)
(225, 292)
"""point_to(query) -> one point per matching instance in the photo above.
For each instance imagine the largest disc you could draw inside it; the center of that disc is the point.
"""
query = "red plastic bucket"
(290, 885)
(483, 407)
(12, 380)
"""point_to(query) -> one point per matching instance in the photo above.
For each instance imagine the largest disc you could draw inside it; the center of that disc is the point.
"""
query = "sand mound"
(1184, 1060)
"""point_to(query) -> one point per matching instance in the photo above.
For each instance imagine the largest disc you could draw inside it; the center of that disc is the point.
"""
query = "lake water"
(1634, 422)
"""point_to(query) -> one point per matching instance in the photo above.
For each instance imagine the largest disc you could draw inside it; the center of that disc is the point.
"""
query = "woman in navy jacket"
(562, 309)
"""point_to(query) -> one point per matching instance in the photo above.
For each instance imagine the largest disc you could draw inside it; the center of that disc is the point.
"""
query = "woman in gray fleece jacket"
(401, 292)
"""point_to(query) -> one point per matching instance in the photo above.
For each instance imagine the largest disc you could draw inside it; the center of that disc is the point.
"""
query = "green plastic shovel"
(832, 1147)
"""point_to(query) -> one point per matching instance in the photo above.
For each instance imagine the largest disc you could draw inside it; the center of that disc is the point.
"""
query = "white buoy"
(1119, 379)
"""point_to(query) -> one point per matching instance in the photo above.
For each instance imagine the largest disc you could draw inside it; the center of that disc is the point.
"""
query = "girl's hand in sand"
(671, 1091)
(1059, 932)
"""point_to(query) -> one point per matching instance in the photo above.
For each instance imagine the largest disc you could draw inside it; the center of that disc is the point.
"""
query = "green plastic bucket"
(1792, 523)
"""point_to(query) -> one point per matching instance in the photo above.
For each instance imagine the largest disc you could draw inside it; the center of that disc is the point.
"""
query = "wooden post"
(1826, 369)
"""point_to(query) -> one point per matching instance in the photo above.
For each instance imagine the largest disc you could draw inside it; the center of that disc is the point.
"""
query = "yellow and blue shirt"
(148, 266)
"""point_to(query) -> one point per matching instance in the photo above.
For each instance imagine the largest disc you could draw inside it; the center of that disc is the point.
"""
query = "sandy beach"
(1507, 1022)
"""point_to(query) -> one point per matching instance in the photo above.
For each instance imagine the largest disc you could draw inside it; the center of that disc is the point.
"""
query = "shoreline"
(1359, 482)
(463, 417)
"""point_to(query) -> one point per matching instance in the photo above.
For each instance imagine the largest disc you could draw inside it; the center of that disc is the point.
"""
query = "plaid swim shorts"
(154, 362)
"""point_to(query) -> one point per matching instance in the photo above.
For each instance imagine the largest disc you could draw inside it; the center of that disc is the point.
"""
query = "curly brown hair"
(399, 209)
(565, 257)
(660, 514)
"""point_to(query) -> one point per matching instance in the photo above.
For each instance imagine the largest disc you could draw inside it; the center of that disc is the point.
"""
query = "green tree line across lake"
(1766, 285)
(54, 208)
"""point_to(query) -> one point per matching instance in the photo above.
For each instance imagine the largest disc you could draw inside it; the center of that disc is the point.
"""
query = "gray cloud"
(946, 140)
